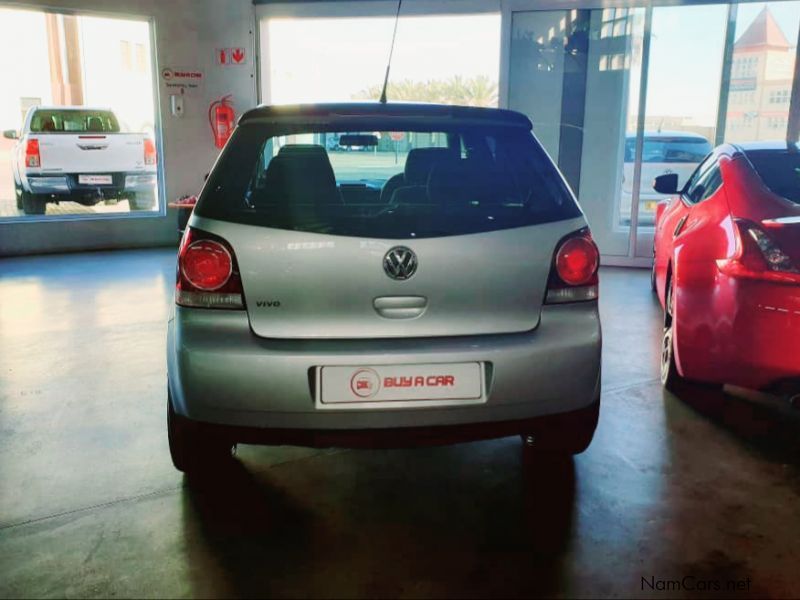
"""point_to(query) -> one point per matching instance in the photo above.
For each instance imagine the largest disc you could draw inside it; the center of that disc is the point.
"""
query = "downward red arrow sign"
(237, 55)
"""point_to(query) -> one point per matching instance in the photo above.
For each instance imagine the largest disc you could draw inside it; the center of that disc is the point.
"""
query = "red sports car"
(727, 269)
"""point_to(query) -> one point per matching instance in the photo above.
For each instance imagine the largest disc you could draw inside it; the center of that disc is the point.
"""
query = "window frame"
(696, 175)
(157, 134)
(701, 178)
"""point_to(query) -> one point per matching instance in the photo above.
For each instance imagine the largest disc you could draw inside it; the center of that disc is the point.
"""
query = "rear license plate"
(388, 383)
(95, 179)
(650, 206)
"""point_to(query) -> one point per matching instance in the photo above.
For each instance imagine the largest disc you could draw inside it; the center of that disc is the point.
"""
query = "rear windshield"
(669, 150)
(74, 121)
(779, 170)
(411, 183)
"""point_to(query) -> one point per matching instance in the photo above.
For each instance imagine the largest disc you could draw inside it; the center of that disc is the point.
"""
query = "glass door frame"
(641, 242)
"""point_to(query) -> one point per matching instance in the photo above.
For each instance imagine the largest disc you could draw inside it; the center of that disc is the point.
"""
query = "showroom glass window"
(450, 59)
(619, 96)
(762, 71)
(78, 116)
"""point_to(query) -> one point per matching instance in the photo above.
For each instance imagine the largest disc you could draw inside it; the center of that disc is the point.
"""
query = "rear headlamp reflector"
(573, 276)
(206, 264)
(208, 274)
(577, 260)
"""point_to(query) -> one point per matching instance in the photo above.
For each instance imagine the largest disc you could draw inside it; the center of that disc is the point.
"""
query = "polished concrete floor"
(698, 491)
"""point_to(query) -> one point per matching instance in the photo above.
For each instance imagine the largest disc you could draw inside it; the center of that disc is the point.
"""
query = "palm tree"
(471, 91)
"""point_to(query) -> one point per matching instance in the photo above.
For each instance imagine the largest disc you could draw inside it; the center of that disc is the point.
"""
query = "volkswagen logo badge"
(400, 263)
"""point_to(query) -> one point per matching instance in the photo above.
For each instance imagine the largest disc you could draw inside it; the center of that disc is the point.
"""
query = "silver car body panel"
(316, 301)
(309, 285)
(220, 372)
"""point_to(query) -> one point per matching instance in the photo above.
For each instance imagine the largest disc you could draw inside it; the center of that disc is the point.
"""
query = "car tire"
(670, 378)
(564, 434)
(195, 449)
(142, 201)
(18, 191)
(33, 204)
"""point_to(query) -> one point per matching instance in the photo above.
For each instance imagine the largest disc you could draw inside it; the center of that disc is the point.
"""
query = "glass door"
(684, 75)
(577, 74)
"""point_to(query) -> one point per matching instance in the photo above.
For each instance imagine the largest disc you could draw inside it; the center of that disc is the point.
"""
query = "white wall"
(31, 76)
(186, 34)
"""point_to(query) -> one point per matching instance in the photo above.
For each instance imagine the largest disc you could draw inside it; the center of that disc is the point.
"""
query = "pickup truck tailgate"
(91, 153)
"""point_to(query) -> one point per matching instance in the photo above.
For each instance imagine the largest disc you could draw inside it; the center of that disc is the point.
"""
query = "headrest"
(447, 181)
(94, 124)
(465, 181)
(411, 194)
(302, 149)
(420, 161)
(302, 177)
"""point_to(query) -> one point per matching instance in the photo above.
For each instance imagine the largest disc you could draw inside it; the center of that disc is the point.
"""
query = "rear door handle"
(400, 307)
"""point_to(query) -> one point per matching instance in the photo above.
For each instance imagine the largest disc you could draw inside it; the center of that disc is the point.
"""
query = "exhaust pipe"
(795, 401)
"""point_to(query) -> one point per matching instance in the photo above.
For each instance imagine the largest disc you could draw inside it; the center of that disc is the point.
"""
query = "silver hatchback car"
(429, 278)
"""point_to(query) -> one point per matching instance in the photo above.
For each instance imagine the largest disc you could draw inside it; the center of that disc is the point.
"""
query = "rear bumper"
(747, 333)
(48, 185)
(765, 344)
(221, 373)
(550, 431)
(68, 184)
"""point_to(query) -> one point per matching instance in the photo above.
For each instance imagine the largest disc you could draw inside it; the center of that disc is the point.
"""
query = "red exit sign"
(231, 56)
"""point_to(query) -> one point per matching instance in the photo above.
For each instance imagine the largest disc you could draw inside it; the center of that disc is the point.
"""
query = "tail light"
(573, 276)
(758, 256)
(149, 152)
(208, 275)
(32, 158)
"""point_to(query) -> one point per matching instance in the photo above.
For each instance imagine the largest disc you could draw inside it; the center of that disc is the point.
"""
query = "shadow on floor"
(773, 429)
(440, 532)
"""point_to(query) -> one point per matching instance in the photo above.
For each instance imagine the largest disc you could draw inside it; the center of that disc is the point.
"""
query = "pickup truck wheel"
(18, 191)
(142, 201)
(33, 204)
(193, 448)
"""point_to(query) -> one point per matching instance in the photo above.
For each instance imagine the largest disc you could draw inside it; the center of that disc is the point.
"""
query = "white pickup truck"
(78, 154)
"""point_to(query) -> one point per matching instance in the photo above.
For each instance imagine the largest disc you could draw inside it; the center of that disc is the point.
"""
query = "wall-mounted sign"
(231, 56)
(182, 79)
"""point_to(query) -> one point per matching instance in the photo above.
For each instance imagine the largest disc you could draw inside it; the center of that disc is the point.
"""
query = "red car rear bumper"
(765, 333)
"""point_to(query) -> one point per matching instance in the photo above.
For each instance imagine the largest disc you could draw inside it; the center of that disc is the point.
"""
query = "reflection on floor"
(702, 488)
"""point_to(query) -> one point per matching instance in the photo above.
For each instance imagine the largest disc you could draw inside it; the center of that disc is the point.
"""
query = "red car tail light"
(208, 275)
(573, 277)
(149, 152)
(32, 158)
(758, 256)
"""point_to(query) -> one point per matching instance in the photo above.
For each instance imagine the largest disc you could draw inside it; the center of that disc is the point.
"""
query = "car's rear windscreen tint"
(779, 170)
(402, 183)
(74, 121)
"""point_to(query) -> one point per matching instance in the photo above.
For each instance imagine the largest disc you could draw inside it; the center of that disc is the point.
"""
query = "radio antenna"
(391, 51)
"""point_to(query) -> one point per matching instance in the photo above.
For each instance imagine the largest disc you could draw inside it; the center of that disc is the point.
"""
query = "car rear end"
(81, 152)
(309, 311)
(763, 275)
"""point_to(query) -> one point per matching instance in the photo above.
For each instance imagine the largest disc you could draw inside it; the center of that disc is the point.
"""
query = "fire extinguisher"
(222, 120)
